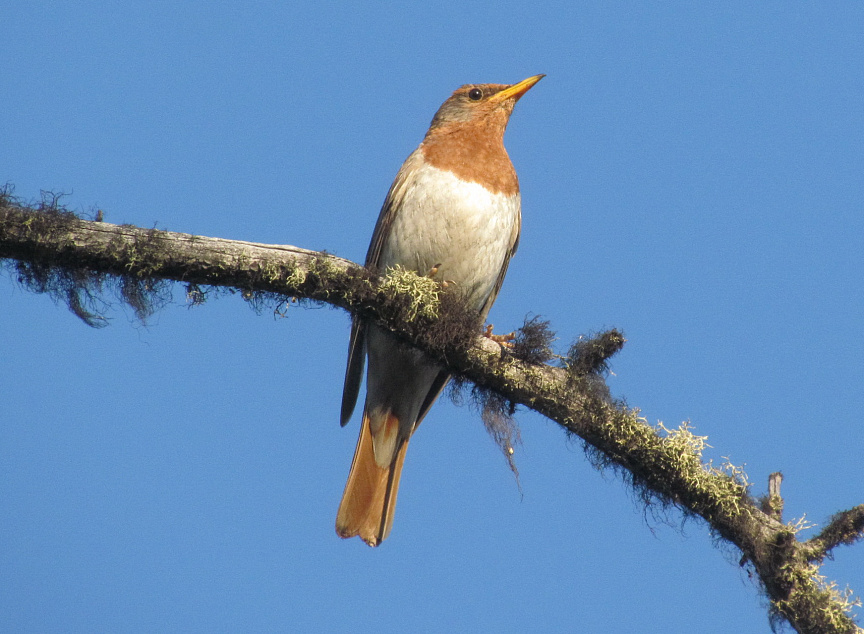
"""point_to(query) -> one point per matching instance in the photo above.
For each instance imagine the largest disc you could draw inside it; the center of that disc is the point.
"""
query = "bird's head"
(485, 104)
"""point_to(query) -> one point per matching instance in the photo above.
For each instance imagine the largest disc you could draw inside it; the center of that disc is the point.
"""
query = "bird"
(452, 212)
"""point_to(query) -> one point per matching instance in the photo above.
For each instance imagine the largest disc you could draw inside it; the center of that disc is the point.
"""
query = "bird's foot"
(434, 271)
(503, 340)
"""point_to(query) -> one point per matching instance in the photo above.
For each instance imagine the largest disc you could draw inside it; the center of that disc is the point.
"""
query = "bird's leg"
(434, 271)
(504, 340)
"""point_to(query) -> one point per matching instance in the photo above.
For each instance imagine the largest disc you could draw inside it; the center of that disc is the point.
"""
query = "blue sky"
(691, 174)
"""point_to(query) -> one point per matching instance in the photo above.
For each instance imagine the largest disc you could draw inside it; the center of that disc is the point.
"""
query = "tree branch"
(56, 252)
(846, 527)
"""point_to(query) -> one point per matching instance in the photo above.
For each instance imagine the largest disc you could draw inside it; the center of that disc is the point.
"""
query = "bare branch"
(59, 239)
(772, 504)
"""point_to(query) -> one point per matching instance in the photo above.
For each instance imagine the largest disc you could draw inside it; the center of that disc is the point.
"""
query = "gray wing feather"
(484, 310)
(354, 369)
(357, 342)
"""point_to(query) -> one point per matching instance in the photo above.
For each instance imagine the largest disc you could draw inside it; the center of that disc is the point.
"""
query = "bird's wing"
(392, 204)
(354, 369)
(357, 343)
(517, 229)
(432, 395)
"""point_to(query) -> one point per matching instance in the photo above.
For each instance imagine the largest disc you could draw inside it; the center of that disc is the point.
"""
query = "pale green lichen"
(834, 606)
(800, 524)
(425, 293)
(726, 484)
(296, 277)
(685, 440)
(276, 272)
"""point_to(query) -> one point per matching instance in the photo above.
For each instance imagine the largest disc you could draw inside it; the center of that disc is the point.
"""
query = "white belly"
(460, 226)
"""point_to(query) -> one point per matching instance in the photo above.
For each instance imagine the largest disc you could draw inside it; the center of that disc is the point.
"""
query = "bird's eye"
(475, 94)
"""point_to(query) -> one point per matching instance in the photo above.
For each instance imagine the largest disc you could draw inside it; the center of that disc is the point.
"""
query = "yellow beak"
(516, 90)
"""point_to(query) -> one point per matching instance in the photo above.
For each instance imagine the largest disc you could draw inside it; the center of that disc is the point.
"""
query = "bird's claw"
(434, 271)
(502, 340)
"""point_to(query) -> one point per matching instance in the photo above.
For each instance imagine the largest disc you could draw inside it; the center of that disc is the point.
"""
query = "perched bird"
(453, 211)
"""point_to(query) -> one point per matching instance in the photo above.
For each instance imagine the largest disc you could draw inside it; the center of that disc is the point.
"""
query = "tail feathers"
(369, 500)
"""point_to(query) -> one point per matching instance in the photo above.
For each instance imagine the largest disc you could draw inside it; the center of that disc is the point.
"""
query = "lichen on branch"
(47, 249)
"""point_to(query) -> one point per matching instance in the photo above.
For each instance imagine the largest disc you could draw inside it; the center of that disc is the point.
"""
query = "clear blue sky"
(691, 174)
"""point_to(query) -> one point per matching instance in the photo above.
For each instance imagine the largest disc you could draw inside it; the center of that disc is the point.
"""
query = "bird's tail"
(370, 495)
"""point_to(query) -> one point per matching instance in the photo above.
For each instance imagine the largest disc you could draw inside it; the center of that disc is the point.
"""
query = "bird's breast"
(461, 226)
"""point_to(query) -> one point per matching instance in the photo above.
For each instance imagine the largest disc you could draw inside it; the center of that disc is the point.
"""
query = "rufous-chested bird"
(454, 209)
